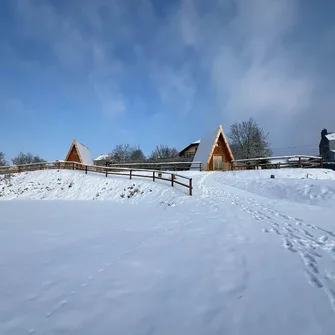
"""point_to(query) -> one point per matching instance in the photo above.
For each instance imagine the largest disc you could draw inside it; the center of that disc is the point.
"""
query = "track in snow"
(311, 242)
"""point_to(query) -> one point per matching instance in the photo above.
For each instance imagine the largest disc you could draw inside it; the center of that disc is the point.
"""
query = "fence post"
(72, 166)
(191, 187)
(153, 176)
(130, 172)
(300, 162)
(200, 166)
(106, 172)
(85, 169)
(58, 165)
(172, 179)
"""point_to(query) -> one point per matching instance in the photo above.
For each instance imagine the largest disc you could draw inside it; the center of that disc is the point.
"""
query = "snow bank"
(310, 186)
(76, 185)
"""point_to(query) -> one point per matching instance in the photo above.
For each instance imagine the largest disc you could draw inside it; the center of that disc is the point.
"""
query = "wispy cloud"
(238, 58)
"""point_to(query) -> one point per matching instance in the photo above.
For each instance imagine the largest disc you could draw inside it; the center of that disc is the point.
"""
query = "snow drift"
(226, 261)
(310, 186)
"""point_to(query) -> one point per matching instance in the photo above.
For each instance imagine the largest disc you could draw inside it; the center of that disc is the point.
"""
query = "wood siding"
(221, 150)
(189, 151)
(73, 156)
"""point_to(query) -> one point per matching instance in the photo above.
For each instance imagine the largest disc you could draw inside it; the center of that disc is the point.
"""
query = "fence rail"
(289, 161)
(170, 177)
(161, 166)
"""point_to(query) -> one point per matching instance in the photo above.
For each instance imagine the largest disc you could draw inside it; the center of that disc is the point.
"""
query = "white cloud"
(77, 48)
(237, 49)
(176, 89)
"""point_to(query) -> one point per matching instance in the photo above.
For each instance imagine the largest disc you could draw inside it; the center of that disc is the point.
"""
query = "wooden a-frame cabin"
(213, 151)
(79, 153)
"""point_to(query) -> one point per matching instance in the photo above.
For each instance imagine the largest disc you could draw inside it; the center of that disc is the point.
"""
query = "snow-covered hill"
(309, 186)
(250, 259)
(76, 185)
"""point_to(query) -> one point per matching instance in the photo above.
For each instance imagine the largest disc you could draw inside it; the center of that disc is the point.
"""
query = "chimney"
(324, 132)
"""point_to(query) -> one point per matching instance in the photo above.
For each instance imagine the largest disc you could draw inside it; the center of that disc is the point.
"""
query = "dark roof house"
(327, 145)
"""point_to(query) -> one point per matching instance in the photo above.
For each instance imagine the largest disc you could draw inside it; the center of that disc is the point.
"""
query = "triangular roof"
(82, 151)
(207, 145)
(195, 143)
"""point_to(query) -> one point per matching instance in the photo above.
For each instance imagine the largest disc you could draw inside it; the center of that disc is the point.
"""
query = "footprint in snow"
(288, 245)
(313, 279)
(323, 238)
(307, 233)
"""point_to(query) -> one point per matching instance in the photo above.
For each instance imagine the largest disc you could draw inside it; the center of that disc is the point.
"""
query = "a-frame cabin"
(213, 151)
(79, 153)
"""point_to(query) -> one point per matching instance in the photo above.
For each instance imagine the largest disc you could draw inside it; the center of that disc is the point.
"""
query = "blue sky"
(147, 72)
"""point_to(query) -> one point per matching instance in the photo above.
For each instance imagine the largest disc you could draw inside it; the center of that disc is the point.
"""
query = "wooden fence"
(161, 166)
(172, 178)
(291, 162)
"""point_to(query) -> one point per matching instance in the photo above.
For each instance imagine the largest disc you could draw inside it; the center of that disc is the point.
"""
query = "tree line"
(247, 140)
(21, 158)
(123, 153)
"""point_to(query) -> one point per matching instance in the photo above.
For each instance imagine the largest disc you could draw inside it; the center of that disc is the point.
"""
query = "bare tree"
(248, 140)
(122, 153)
(163, 152)
(28, 158)
(2, 159)
(137, 155)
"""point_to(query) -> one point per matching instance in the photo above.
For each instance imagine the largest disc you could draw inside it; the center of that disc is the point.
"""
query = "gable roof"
(195, 143)
(83, 153)
(330, 136)
(207, 145)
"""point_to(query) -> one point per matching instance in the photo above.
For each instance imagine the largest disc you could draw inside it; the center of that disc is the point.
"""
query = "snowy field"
(245, 255)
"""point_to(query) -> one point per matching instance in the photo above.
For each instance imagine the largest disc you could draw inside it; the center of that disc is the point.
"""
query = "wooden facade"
(213, 151)
(73, 155)
(221, 155)
(190, 150)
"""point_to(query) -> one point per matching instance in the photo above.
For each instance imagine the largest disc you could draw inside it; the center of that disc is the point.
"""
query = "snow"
(75, 185)
(229, 260)
(84, 154)
(308, 186)
(205, 148)
(331, 136)
(102, 157)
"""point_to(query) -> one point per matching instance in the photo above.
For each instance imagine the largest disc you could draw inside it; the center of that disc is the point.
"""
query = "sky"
(148, 72)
